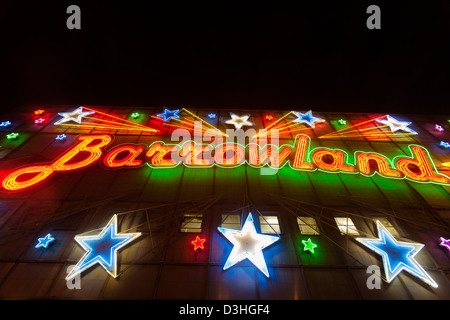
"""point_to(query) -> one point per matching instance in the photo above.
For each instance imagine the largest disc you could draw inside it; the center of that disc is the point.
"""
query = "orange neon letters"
(420, 169)
(337, 163)
(132, 152)
(157, 153)
(31, 175)
(222, 155)
(364, 159)
(269, 152)
(194, 154)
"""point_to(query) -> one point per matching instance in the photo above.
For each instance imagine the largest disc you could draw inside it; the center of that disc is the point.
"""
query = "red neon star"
(198, 243)
(40, 111)
(269, 117)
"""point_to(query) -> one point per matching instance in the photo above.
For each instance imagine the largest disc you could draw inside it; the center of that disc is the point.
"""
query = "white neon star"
(396, 125)
(307, 118)
(76, 115)
(397, 255)
(248, 244)
(102, 248)
(239, 121)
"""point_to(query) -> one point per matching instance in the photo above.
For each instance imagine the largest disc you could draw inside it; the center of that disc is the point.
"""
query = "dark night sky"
(262, 55)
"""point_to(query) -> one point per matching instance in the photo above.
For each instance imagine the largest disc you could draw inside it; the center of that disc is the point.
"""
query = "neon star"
(445, 144)
(397, 255)
(198, 243)
(439, 128)
(169, 114)
(5, 124)
(102, 248)
(308, 245)
(135, 115)
(40, 120)
(396, 125)
(38, 112)
(212, 115)
(44, 242)
(239, 121)
(76, 115)
(61, 137)
(445, 243)
(12, 136)
(307, 118)
(342, 121)
(269, 117)
(247, 244)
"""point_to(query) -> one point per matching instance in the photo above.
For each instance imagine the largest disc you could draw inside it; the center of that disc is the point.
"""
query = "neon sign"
(418, 166)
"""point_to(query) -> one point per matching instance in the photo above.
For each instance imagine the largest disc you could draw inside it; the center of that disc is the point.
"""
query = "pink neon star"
(438, 127)
(40, 120)
(445, 243)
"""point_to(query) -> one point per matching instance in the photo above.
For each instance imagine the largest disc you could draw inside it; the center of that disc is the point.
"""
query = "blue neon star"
(5, 124)
(102, 248)
(307, 118)
(445, 144)
(169, 114)
(43, 242)
(61, 137)
(212, 115)
(397, 255)
(248, 244)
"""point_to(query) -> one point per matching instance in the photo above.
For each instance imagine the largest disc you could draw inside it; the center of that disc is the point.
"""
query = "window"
(269, 224)
(388, 225)
(231, 221)
(192, 223)
(346, 226)
(308, 226)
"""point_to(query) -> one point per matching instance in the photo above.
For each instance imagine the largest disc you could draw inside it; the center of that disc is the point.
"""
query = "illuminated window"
(269, 224)
(308, 226)
(231, 221)
(346, 226)
(388, 225)
(192, 223)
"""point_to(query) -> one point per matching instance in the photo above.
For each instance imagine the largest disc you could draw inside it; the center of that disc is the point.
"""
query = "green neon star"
(135, 115)
(12, 136)
(309, 245)
(342, 121)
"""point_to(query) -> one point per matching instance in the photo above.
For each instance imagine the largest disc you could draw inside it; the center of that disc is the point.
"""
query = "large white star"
(397, 255)
(102, 248)
(75, 115)
(396, 125)
(307, 118)
(248, 244)
(239, 121)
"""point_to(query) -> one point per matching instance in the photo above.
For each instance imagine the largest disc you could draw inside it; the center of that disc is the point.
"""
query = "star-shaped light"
(12, 136)
(102, 248)
(61, 137)
(445, 243)
(169, 114)
(445, 144)
(5, 124)
(397, 255)
(198, 243)
(239, 121)
(308, 245)
(39, 112)
(396, 125)
(39, 121)
(269, 117)
(44, 242)
(75, 115)
(439, 127)
(135, 115)
(212, 115)
(307, 118)
(342, 121)
(248, 244)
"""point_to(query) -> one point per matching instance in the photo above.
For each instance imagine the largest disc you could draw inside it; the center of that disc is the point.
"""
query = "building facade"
(166, 203)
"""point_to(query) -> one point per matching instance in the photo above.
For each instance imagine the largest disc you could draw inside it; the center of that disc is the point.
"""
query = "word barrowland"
(418, 166)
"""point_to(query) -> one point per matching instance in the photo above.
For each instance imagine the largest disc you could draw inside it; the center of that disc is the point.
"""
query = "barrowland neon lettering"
(417, 167)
